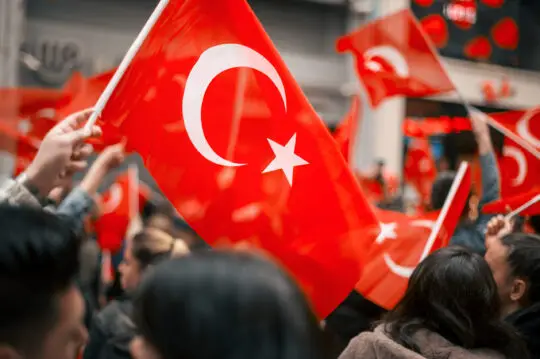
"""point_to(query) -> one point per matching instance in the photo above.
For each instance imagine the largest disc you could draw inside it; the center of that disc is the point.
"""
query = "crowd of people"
(174, 298)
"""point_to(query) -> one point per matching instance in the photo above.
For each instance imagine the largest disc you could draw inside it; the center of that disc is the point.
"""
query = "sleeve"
(491, 183)
(16, 194)
(76, 206)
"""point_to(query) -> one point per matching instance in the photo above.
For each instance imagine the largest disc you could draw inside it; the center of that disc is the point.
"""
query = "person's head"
(41, 309)
(452, 292)
(223, 305)
(159, 216)
(534, 222)
(515, 262)
(440, 190)
(147, 248)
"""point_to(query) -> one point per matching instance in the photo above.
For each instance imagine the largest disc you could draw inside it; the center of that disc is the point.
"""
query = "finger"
(76, 166)
(75, 119)
(82, 134)
(82, 152)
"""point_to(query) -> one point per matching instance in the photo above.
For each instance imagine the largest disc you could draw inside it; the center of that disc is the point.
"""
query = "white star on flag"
(388, 230)
(285, 159)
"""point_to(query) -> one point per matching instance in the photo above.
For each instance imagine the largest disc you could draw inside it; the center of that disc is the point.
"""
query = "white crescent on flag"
(523, 129)
(517, 155)
(390, 54)
(405, 271)
(210, 64)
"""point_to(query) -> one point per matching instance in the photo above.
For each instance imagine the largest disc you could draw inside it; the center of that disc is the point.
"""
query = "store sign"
(53, 61)
(461, 12)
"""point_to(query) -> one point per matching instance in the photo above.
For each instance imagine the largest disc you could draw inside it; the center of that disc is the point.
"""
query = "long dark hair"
(453, 293)
(225, 305)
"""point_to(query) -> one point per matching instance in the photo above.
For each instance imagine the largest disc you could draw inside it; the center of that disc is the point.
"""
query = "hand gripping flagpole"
(126, 61)
(523, 207)
(471, 110)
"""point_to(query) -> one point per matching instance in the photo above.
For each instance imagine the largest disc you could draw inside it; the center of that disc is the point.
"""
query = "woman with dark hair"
(220, 305)
(112, 329)
(450, 310)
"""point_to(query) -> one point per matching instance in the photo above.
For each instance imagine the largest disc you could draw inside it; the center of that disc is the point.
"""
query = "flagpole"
(126, 61)
(523, 207)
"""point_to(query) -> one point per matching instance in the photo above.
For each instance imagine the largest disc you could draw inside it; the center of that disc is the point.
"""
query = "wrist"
(34, 182)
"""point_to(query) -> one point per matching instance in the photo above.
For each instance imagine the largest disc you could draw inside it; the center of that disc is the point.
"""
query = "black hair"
(524, 261)
(534, 221)
(225, 305)
(453, 293)
(39, 260)
(441, 188)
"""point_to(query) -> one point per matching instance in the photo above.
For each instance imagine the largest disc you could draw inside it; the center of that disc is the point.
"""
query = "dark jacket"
(527, 323)
(471, 235)
(111, 332)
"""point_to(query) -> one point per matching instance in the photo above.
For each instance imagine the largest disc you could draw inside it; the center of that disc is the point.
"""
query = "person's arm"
(15, 193)
(488, 163)
(80, 202)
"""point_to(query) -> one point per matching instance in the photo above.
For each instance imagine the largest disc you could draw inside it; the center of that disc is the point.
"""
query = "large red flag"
(395, 58)
(515, 202)
(519, 169)
(522, 127)
(347, 130)
(404, 241)
(278, 182)
(117, 207)
(420, 168)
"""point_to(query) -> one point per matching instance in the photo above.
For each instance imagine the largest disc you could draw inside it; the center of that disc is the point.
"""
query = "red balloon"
(478, 48)
(437, 29)
(505, 34)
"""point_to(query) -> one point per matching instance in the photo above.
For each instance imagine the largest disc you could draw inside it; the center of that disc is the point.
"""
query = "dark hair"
(524, 261)
(225, 305)
(453, 293)
(534, 221)
(150, 246)
(441, 188)
(39, 259)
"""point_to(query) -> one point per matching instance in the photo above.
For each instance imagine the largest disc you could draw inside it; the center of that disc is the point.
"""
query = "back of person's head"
(223, 305)
(534, 221)
(151, 245)
(41, 310)
(441, 189)
(452, 293)
(523, 260)
(147, 248)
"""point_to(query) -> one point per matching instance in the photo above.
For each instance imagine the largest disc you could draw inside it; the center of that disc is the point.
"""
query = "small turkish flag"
(347, 130)
(277, 182)
(420, 169)
(515, 202)
(117, 207)
(395, 58)
(404, 241)
(519, 169)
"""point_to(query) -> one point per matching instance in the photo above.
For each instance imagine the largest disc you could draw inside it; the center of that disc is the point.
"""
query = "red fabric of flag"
(420, 169)
(395, 58)
(347, 130)
(276, 182)
(116, 212)
(404, 241)
(519, 169)
(514, 202)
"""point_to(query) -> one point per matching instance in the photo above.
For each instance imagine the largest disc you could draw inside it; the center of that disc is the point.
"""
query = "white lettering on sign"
(461, 13)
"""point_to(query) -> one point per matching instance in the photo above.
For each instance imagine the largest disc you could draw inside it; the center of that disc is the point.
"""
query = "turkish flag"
(21, 147)
(420, 169)
(519, 169)
(277, 183)
(27, 101)
(520, 126)
(347, 131)
(404, 241)
(395, 58)
(515, 202)
(118, 206)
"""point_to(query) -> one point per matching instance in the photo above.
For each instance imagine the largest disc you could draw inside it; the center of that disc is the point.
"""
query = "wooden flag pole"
(126, 61)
